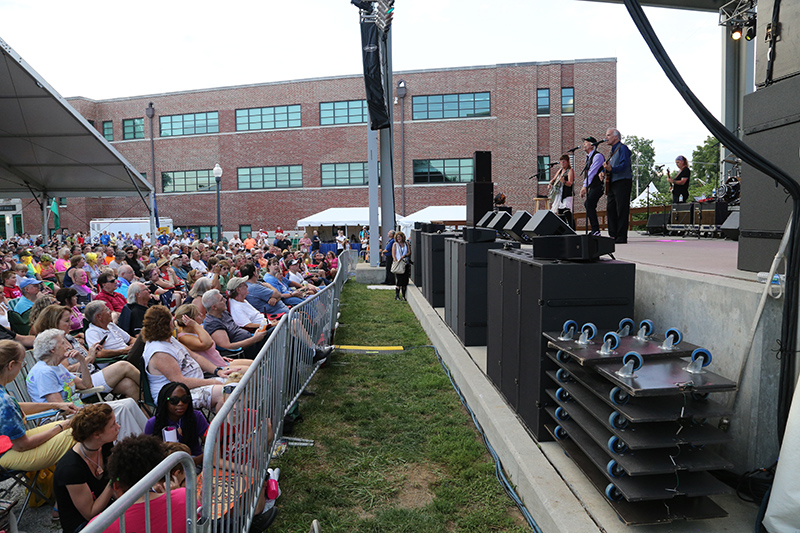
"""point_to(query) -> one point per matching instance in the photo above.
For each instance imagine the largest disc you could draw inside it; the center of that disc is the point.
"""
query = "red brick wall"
(513, 134)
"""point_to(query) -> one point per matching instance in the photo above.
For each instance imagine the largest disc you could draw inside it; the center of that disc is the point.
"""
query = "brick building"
(291, 149)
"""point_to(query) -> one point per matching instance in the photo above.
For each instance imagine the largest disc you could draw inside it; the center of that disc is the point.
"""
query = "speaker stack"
(480, 192)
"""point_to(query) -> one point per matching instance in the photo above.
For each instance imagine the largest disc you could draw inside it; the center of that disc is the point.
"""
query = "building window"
(344, 174)
(62, 201)
(543, 165)
(204, 232)
(191, 124)
(567, 100)
(542, 101)
(464, 105)
(245, 230)
(443, 170)
(187, 181)
(268, 118)
(351, 112)
(132, 128)
(91, 123)
(108, 130)
(283, 177)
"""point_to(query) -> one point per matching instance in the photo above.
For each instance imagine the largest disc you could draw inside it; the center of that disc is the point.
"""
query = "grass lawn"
(395, 450)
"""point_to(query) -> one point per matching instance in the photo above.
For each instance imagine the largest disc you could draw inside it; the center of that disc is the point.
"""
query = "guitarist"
(619, 178)
(679, 185)
(592, 188)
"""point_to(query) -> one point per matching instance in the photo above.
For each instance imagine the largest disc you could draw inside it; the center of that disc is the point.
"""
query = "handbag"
(399, 267)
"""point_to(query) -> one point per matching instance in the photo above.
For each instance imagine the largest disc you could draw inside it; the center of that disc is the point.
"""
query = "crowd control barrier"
(242, 435)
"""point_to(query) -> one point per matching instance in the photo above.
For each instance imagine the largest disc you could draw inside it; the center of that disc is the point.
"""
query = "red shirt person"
(107, 283)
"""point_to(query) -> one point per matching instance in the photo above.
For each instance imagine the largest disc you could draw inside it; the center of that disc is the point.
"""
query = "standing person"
(562, 185)
(387, 256)
(341, 239)
(592, 188)
(400, 254)
(315, 242)
(618, 171)
(680, 183)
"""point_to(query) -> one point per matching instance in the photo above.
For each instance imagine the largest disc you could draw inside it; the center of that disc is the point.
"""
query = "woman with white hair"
(49, 381)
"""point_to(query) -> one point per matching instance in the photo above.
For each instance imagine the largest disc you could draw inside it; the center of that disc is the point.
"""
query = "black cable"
(788, 339)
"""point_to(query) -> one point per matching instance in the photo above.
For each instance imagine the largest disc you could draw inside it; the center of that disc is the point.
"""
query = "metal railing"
(242, 435)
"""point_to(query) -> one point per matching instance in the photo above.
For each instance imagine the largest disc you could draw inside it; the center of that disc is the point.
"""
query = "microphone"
(571, 150)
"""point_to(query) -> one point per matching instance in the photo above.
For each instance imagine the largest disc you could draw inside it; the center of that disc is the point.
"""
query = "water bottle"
(777, 279)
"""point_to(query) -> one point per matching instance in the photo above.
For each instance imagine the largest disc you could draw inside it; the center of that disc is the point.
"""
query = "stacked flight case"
(630, 408)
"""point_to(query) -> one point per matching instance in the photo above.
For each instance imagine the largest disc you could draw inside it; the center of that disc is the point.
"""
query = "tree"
(643, 157)
(705, 164)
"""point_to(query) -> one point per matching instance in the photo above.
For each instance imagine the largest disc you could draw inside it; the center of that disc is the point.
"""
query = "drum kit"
(730, 190)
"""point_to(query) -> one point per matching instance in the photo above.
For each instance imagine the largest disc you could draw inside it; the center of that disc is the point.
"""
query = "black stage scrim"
(373, 81)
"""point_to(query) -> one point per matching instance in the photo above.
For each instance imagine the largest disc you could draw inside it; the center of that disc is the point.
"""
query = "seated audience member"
(76, 261)
(276, 279)
(192, 335)
(166, 292)
(174, 409)
(119, 260)
(32, 449)
(21, 313)
(80, 483)
(132, 315)
(243, 314)
(264, 297)
(176, 263)
(200, 287)
(41, 303)
(297, 280)
(49, 381)
(130, 461)
(47, 270)
(69, 298)
(107, 285)
(124, 279)
(115, 340)
(130, 258)
(6, 332)
(63, 263)
(10, 288)
(224, 331)
(168, 360)
(92, 268)
(196, 263)
(80, 280)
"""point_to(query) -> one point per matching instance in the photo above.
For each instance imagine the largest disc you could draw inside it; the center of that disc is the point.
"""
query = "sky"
(100, 49)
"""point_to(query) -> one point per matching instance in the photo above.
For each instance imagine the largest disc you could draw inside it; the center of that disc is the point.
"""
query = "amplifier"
(683, 214)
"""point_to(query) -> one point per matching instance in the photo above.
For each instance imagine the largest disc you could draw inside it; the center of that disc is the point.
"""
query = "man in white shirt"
(117, 342)
(242, 312)
(196, 263)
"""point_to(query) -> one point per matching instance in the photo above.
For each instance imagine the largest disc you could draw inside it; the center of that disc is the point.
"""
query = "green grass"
(395, 451)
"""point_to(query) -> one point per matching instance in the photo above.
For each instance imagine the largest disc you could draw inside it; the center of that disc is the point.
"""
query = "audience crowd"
(94, 315)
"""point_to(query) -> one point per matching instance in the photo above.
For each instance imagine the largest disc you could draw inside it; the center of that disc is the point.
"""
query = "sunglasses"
(175, 400)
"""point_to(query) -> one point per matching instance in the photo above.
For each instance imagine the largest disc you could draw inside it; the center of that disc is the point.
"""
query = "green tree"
(643, 157)
(705, 168)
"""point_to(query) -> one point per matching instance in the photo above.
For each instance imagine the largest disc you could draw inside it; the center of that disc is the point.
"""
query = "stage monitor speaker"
(514, 227)
(483, 167)
(499, 221)
(484, 221)
(479, 234)
(730, 228)
(657, 223)
(546, 223)
(572, 247)
(429, 227)
(479, 200)
(683, 214)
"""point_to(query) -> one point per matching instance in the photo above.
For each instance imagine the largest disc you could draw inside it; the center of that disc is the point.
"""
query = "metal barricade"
(239, 440)
(144, 486)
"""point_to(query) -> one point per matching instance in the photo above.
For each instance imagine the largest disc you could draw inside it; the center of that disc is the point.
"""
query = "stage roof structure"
(691, 5)
(47, 148)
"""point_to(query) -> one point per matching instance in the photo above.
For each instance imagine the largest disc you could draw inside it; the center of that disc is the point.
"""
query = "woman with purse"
(400, 254)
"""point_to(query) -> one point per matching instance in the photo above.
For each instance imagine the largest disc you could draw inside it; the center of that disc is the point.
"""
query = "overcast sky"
(101, 49)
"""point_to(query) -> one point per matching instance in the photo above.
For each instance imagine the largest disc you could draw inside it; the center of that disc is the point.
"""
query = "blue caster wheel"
(614, 470)
(648, 327)
(705, 354)
(569, 324)
(562, 395)
(627, 322)
(590, 329)
(675, 334)
(637, 358)
(617, 420)
(562, 356)
(562, 414)
(613, 493)
(617, 445)
(613, 337)
(617, 396)
(562, 375)
(560, 433)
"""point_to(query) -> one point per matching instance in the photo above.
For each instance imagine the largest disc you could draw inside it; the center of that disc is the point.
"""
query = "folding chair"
(146, 400)
(20, 479)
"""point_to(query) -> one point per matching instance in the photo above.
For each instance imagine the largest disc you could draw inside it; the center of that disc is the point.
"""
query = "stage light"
(750, 34)
(384, 14)
(736, 33)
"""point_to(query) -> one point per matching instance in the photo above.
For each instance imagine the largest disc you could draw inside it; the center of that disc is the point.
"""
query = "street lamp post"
(218, 176)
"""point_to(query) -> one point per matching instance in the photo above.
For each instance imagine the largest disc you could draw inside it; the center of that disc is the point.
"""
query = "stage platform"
(689, 283)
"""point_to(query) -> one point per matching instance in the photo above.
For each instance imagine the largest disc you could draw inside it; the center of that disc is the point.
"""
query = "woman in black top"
(80, 481)
(680, 183)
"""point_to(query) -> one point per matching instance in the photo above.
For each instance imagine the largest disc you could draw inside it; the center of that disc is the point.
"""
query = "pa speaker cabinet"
(683, 214)
(786, 55)
(527, 297)
(479, 200)
(516, 224)
(544, 222)
(657, 223)
(433, 265)
(465, 287)
(483, 166)
(484, 221)
(499, 220)
(417, 257)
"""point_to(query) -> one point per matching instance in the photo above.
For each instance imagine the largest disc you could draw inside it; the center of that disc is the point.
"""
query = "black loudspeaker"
(683, 214)
(516, 224)
(483, 167)
(479, 200)
(428, 227)
(572, 247)
(484, 221)
(433, 267)
(528, 296)
(657, 223)
(730, 228)
(479, 234)
(499, 221)
(546, 223)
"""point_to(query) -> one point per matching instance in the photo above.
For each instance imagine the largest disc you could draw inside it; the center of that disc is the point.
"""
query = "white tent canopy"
(448, 214)
(641, 200)
(340, 216)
